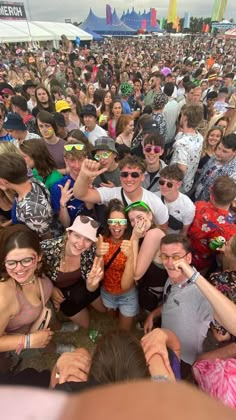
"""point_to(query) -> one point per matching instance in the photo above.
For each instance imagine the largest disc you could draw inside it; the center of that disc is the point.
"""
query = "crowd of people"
(117, 191)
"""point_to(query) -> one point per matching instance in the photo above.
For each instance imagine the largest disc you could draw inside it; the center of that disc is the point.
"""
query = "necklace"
(28, 282)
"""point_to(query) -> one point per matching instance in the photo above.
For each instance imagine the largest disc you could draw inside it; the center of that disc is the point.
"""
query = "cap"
(150, 126)
(85, 226)
(28, 84)
(60, 119)
(14, 122)
(212, 76)
(62, 105)
(160, 100)
(104, 143)
(165, 71)
(89, 110)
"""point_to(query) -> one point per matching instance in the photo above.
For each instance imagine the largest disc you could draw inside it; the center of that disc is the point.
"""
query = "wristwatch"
(194, 277)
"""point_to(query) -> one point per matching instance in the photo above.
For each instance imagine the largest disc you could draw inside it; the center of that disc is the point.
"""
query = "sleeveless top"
(68, 279)
(113, 274)
(28, 313)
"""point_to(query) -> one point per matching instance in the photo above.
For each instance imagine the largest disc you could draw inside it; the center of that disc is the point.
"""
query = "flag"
(218, 10)
(176, 23)
(162, 23)
(172, 11)
(186, 20)
(108, 15)
(204, 27)
(153, 20)
(144, 24)
(207, 28)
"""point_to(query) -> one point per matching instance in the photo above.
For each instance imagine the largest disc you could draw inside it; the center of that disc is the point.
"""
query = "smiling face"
(170, 187)
(129, 183)
(214, 137)
(138, 216)
(151, 157)
(117, 231)
(76, 244)
(170, 251)
(21, 273)
(74, 165)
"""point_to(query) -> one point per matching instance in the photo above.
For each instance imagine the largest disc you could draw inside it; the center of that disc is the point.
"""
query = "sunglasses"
(86, 219)
(168, 183)
(104, 155)
(166, 258)
(138, 204)
(155, 149)
(125, 174)
(69, 147)
(25, 262)
(121, 222)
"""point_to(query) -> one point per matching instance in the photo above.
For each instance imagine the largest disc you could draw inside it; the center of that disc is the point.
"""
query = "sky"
(77, 10)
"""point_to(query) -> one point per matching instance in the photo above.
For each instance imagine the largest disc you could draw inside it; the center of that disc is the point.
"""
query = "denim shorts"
(127, 303)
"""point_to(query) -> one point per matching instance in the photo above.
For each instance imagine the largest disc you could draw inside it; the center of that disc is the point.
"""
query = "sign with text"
(12, 10)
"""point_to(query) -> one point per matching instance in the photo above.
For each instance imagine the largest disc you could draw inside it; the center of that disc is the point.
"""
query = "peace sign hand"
(66, 193)
(95, 275)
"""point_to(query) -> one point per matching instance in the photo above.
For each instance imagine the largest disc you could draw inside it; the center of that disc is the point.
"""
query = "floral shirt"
(53, 250)
(113, 274)
(226, 283)
(209, 223)
(187, 151)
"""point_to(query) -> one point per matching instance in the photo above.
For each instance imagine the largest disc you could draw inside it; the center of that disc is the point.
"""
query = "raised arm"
(224, 309)
(147, 252)
(127, 279)
(88, 172)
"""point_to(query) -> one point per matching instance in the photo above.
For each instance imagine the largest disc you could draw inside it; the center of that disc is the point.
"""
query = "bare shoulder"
(7, 294)
(154, 233)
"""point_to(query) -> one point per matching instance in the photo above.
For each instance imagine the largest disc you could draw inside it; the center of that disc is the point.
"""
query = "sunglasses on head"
(125, 174)
(137, 204)
(155, 149)
(168, 183)
(86, 219)
(104, 155)
(121, 222)
(69, 147)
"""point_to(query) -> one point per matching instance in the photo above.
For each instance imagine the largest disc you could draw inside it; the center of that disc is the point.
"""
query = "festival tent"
(23, 31)
(223, 25)
(231, 33)
(96, 37)
(100, 26)
(134, 20)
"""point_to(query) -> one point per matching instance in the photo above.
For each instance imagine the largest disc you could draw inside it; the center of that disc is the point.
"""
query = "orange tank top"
(113, 274)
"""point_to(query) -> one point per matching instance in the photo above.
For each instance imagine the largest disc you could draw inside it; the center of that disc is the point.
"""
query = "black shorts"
(77, 298)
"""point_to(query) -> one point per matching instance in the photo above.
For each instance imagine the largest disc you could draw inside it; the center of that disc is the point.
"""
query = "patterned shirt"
(209, 223)
(113, 274)
(187, 151)
(53, 250)
(161, 121)
(226, 283)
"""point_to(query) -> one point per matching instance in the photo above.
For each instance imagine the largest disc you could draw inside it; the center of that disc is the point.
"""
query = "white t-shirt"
(94, 134)
(182, 209)
(159, 210)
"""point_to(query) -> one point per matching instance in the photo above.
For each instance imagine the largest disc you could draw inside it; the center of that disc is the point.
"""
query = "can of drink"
(217, 242)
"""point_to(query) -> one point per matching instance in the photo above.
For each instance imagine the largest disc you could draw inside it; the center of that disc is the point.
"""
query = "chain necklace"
(28, 282)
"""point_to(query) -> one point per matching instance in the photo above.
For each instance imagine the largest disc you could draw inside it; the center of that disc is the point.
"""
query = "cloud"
(77, 11)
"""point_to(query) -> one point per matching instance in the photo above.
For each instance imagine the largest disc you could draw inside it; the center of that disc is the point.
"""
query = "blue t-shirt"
(7, 137)
(74, 205)
(125, 107)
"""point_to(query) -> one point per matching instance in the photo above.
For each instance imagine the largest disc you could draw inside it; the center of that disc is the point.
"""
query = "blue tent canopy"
(134, 20)
(99, 25)
(96, 37)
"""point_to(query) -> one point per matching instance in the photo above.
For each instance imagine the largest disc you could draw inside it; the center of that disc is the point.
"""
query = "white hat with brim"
(84, 228)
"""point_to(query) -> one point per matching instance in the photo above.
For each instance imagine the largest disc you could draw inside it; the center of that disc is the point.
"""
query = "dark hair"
(172, 172)
(103, 106)
(36, 149)
(47, 118)
(13, 168)
(155, 138)
(3, 109)
(176, 238)
(116, 205)
(156, 74)
(77, 102)
(223, 190)
(147, 110)
(39, 105)
(20, 102)
(133, 161)
(229, 141)
(229, 76)
(118, 357)
(169, 89)
(189, 86)
(18, 240)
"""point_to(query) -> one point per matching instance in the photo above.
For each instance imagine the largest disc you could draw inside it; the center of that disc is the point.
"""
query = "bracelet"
(63, 206)
(194, 277)
(27, 341)
(160, 378)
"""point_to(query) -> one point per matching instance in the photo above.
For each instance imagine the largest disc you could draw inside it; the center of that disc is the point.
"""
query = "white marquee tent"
(21, 31)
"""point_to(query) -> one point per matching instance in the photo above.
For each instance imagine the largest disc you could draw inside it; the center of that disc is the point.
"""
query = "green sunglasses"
(69, 147)
(104, 155)
(137, 204)
(121, 222)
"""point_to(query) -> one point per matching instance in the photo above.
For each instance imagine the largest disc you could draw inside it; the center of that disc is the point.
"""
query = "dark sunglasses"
(168, 183)
(155, 149)
(86, 219)
(125, 174)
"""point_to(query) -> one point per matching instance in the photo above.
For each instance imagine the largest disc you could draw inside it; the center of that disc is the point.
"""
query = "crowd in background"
(117, 191)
